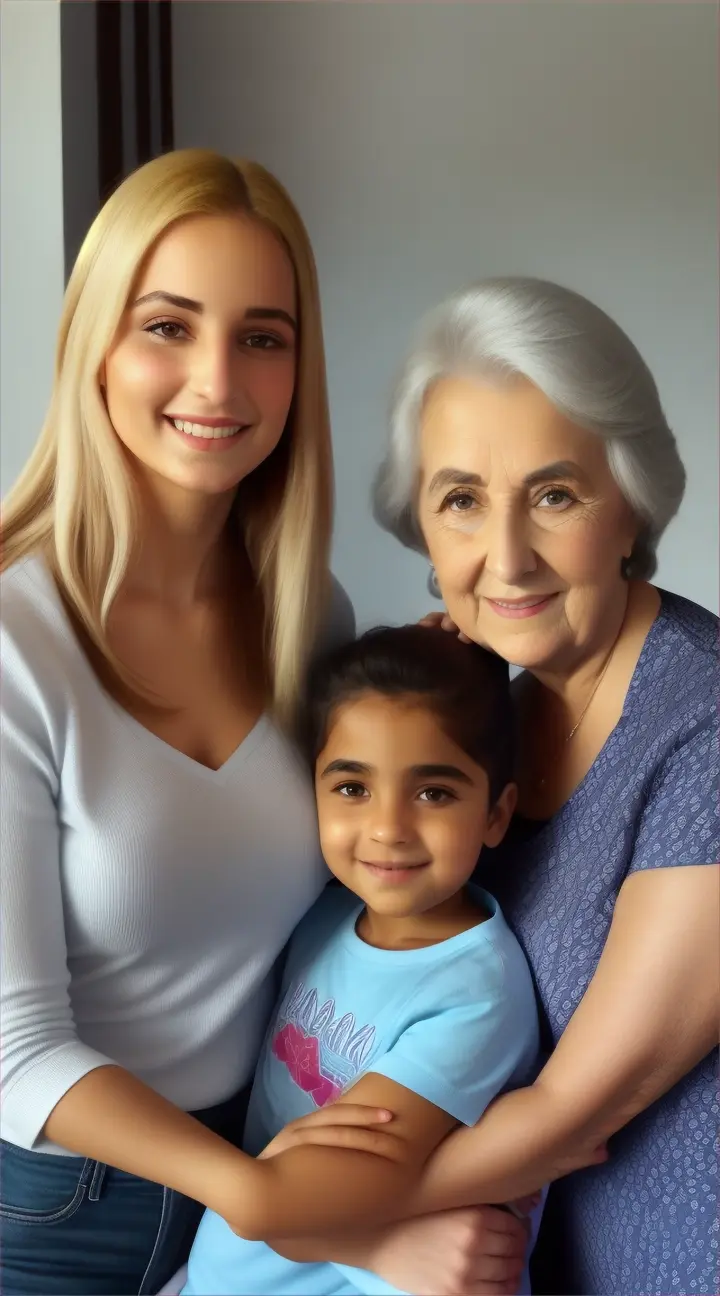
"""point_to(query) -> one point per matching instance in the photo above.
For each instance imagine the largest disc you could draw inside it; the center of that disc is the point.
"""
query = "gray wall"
(31, 222)
(430, 144)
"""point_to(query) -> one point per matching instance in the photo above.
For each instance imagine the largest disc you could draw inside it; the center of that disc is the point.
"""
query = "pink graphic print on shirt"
(323, 1055)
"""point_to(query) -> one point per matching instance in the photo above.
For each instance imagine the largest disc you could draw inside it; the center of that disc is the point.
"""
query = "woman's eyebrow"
(565, 469)
(187, 303)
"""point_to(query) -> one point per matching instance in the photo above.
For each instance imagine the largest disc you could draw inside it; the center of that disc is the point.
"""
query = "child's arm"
(309, 1190)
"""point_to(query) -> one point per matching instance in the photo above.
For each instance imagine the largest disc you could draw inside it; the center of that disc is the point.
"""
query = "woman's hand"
(478, 1251)
(444, 622)
(339, 1125)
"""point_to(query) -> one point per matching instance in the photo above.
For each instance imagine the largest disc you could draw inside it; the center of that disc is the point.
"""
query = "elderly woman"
(531, 459)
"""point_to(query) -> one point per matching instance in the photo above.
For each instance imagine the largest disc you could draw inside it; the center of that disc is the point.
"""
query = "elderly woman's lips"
(516, 609)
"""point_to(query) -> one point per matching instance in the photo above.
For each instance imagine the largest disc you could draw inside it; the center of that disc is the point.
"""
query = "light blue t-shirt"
(455, 1022)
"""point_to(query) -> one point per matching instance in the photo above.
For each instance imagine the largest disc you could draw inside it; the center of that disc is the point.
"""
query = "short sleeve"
(462, 1058)
(680, 823)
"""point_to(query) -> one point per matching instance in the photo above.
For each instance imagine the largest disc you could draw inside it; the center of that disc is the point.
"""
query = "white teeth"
(526, 604)
(207, 433)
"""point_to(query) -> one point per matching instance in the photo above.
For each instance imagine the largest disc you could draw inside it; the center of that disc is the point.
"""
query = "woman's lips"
(519, 609)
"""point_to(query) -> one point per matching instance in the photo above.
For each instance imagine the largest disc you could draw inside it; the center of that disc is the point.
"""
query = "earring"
(433, 584)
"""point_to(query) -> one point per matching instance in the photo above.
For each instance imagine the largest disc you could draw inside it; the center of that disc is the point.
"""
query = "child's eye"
(353, 791)
(437, 796)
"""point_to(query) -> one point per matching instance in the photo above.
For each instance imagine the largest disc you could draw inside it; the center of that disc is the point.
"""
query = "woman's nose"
(215, 373)
(509, 554)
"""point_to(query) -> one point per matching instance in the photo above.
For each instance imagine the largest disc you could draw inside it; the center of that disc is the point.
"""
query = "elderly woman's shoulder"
(680, 661)
(688, 629)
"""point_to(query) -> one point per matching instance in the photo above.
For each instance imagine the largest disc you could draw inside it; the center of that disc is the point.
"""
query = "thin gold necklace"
(541, 782)
(586, 708)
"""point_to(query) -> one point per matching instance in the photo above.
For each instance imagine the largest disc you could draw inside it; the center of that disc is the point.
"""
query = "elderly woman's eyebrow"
(564, 469)
(453, 477)
(561, 469)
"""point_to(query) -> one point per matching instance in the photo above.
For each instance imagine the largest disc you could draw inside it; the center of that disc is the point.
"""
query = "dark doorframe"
(134, 86)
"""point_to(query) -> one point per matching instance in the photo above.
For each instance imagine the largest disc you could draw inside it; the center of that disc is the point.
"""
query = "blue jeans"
(70, 1226)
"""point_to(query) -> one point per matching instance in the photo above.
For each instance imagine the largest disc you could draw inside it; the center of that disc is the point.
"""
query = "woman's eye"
(436, 795)
(556, 498)
(351, 790)
(169, 330)
(460, 502)
(264, 342)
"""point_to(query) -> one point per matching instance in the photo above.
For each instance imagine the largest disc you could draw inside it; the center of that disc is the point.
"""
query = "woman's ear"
(500, 815)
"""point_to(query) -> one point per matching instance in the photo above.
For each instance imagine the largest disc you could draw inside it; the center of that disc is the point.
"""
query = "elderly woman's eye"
(556, 498)
(460, 502)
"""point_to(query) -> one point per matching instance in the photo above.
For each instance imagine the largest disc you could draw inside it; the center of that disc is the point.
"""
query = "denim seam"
(158, 1238)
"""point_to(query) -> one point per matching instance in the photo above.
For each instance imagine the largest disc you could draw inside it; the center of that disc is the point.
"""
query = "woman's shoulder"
(679, 663)
(38, 645)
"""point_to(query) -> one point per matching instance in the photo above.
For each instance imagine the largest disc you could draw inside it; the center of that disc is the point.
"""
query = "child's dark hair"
(467, 688)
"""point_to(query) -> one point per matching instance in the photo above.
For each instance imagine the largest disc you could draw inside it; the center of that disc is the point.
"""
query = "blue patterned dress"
(647, 1221)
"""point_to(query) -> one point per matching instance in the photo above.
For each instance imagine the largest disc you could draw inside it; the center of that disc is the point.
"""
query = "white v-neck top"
(144, 897)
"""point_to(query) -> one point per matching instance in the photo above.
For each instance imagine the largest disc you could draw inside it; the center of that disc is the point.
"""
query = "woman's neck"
(183, 551)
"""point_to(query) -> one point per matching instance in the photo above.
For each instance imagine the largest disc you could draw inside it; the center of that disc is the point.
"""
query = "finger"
(495, 1270)
(354, 1138)
(432, 619)
(508, 1288)
(502, 1224)
(508, 1245)
(342, 1114)
(463, 638)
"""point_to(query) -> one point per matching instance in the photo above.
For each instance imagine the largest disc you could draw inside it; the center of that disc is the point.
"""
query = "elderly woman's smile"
(523, 520)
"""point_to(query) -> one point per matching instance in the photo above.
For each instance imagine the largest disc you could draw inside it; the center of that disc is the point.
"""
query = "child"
(403, 989)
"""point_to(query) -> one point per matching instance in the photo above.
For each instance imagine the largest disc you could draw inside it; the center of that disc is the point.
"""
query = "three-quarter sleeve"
(680, 823)
(41, 1056)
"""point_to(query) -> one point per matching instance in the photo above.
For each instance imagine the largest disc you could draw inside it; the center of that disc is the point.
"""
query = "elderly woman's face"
(524, 522)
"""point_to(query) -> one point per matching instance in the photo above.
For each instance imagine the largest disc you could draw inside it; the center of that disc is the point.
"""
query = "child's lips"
(393, 871)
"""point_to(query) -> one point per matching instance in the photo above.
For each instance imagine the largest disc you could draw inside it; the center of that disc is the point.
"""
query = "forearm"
(355, 1249)
(112, 1117)
(311, 1192)
(525, 1140)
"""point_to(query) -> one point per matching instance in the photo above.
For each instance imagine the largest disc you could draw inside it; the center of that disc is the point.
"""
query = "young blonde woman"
(165, 581)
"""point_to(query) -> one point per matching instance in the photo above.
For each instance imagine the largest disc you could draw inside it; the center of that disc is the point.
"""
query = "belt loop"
(96, 1182)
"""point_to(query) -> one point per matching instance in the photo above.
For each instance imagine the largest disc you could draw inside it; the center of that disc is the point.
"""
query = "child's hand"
(339, 1125)
(477, 1251)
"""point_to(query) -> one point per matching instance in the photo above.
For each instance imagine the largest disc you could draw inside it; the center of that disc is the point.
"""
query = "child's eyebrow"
(342, 766)
(442, 771)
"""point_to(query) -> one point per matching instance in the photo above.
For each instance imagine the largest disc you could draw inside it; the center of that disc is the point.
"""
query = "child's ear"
(500, 815)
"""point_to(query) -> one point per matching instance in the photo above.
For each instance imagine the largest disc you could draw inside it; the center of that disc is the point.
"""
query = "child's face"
(403, 811)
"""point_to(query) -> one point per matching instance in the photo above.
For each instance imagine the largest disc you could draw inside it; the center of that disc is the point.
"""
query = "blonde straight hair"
(75, 502)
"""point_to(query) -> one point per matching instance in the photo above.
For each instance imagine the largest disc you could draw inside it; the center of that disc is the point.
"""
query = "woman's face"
(200, 377)
(524, 522)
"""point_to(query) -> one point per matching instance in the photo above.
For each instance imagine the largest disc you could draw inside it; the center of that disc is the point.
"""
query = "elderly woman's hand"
(445, 622)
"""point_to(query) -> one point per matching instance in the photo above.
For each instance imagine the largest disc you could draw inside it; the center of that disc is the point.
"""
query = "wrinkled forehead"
(501, 431)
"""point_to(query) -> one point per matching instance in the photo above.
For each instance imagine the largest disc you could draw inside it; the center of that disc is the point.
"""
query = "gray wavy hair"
(578, 357)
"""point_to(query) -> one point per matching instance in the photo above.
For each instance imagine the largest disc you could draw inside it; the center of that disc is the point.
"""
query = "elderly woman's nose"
(509, 555)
